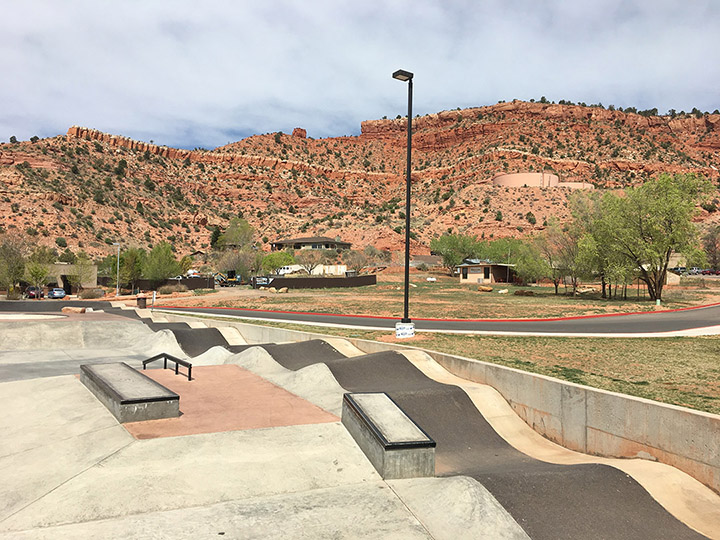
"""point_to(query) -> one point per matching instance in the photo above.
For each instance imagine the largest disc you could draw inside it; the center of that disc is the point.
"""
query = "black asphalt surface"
(549, 501)
(662, 321)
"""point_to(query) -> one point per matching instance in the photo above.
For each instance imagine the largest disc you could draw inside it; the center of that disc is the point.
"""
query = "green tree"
(239, 234)
(530, 264)
(215, 236)
(711, 245)
(653, 221)
(67, 256)
(12, 261)
(43, 255)
(37, 273)
(185, 264)
(160, 263)
(454, 248)
(131, 266)
(272, 262)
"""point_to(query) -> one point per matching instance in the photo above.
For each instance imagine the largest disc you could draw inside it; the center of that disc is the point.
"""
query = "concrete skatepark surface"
(303, 479)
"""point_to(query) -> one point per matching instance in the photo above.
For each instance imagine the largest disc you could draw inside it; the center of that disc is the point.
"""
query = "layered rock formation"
(97, 188)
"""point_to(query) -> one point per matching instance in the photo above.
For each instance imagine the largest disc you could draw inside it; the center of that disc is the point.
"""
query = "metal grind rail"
(178, 362)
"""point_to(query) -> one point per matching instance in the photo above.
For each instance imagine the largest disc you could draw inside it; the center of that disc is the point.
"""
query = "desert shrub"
(14, 295)
(202, 292)
(169, 289)
(89, 294)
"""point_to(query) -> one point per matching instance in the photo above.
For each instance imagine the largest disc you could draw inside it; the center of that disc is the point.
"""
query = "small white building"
(320, 270)
(484, 272)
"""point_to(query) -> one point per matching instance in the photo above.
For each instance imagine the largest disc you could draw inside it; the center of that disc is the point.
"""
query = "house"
(312, 242)
(67, 276)
(483, 271)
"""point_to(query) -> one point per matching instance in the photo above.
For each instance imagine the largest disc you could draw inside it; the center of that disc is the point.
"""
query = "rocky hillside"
(88, 189)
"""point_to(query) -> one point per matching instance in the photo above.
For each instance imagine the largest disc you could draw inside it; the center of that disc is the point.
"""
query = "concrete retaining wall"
(578, 417)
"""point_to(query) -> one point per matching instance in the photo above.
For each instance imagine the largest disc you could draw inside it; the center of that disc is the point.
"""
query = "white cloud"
(189, 74)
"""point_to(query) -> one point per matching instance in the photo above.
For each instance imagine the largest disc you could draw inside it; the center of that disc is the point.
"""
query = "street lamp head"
(402, 75)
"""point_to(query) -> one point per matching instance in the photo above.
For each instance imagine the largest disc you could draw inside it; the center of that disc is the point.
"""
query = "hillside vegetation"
(86, 190)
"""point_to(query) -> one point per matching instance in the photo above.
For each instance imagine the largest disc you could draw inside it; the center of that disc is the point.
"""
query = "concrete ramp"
(72, 334)
(314, 383)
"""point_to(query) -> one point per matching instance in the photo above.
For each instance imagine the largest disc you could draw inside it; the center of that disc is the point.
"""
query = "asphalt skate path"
(549, 501)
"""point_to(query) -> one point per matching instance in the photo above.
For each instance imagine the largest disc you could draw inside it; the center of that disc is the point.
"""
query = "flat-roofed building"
(311, 242)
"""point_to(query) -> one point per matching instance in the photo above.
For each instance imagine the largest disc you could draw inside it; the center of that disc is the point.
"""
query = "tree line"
(613, 237)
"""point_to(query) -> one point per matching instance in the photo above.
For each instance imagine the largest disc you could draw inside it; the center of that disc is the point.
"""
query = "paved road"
(699, 321)
(703, 320)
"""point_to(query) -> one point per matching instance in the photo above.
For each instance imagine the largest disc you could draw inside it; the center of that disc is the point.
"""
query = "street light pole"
(408, 328)
(117, 277)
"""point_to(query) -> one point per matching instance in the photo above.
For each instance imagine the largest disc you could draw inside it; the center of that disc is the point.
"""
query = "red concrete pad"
(226, 398)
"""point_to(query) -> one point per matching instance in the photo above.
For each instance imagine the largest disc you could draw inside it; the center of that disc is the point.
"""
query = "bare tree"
(355, 260)
(309, 259)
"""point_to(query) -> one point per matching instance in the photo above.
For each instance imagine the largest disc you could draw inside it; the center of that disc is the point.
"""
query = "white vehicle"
(193, 273)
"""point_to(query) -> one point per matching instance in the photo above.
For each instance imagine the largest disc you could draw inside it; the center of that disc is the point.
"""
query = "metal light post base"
(404, 330)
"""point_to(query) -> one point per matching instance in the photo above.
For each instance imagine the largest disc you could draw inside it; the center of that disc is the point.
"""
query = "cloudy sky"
(186, 73)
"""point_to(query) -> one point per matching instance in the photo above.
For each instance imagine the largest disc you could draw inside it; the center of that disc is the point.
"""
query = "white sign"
(404, 330)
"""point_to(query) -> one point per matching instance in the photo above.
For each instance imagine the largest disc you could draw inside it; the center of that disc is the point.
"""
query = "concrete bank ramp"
(549, 501)
(163, 474)
(63, 345)
(73, 334)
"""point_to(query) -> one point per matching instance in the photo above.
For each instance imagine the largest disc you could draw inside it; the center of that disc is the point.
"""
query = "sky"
(202, 74)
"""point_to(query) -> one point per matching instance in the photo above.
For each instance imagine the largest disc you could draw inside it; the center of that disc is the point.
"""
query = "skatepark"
(262, 446)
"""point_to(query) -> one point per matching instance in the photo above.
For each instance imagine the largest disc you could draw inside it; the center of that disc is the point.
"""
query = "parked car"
(694, 271)
(56, 293)
(34, 292)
